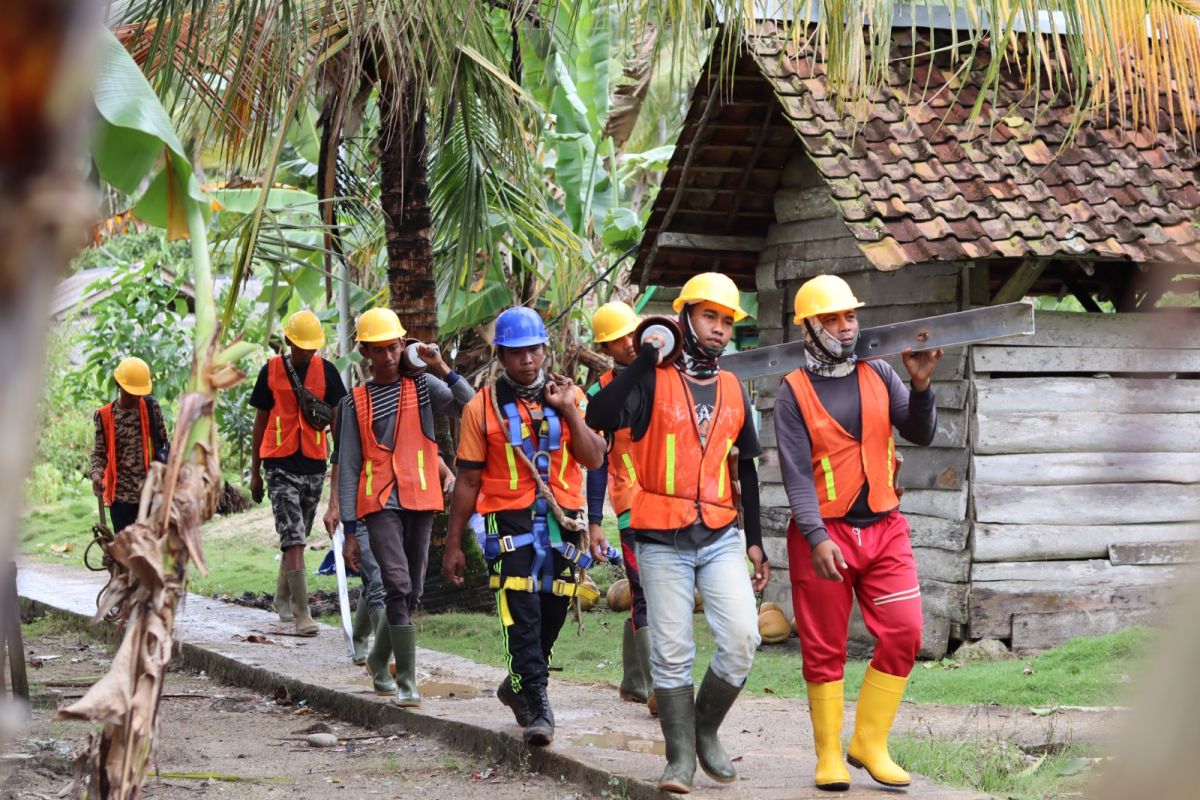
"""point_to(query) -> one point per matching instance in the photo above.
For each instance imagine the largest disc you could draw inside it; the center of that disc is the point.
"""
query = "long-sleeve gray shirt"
(439, 398)
(913, 414)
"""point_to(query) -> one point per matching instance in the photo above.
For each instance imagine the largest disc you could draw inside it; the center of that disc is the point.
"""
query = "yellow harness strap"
(514, 583)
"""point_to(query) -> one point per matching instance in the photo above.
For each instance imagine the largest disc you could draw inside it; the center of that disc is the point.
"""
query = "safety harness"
(548, 517)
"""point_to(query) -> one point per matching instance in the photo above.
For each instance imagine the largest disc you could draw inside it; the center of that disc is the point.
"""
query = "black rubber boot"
(641, 638)
(516, 702)
(713, 702)
(677, 716)
(404, 647)
(633, 680)
(539, 731)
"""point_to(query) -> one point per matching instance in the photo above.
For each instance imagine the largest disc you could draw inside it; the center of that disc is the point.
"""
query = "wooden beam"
(701, 241)
(1020, 281)
(759, 143)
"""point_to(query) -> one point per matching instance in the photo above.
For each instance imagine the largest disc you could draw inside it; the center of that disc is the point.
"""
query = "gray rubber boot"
(633, 682)
(298, 584)
(713, 702)
(677, 716)
(361, 631)
(380, 655)
(282, 604)
(404, 647)
(641, 638)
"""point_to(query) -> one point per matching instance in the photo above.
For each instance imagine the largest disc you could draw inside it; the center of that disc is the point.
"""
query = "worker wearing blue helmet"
(522, 444)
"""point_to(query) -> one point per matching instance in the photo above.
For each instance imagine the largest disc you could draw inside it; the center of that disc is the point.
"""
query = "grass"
(996, 767)
(1082, 672)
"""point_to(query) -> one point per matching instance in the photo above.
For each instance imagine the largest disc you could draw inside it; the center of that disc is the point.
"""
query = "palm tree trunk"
(408, 218)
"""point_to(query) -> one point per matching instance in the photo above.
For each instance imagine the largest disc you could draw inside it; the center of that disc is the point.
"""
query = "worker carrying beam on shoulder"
(522, 444)
(847, 537)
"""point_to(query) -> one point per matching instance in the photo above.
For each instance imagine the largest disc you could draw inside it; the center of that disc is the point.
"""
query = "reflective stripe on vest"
(401, 467)
(679, 478)
(292, 432)
(621, 474)
(846, 463)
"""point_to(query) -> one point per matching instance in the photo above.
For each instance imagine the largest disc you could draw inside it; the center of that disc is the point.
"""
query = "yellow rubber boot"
(877, 705)
(826, 706)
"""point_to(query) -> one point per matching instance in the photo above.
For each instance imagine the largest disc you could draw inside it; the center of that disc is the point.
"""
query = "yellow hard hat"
(824, 294)
(713, 287)
(133, 375)
(303, 329)
(379, 325)
(612, 321)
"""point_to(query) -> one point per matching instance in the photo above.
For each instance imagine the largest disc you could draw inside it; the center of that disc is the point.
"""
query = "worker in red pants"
(847, 538)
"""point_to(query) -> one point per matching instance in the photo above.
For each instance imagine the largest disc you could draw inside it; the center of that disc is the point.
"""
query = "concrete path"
(601, 742)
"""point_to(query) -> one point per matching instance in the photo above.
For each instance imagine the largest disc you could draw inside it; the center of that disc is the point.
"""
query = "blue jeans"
(372, 588)
(669, 574)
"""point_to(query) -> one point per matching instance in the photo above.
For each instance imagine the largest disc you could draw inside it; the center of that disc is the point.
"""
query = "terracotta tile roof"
(918, 183)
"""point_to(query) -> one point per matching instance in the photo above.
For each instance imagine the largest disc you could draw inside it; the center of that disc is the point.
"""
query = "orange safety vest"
(621, 474)
(678, 478)
(287, 427)
(841, 463)
(410, 466)
(507, 482)
(110, 446)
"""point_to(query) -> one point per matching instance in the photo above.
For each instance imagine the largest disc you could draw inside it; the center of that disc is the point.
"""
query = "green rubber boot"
(298, 585)
(633, 680)
(642, 638)
(282, 604)
(677, 716)
(713, 702)
(404, 646)
(380, 655)
(361, 631)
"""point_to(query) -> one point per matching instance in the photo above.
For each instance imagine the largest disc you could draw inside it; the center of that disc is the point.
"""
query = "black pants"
(537, 618)
(400, 542)
(637, 611)
(122, 515)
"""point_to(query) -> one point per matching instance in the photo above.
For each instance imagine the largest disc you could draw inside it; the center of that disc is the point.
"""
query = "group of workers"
(673, 444)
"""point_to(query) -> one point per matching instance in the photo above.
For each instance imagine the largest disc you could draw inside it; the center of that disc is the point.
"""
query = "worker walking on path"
(388, 476)
(684, 420)
(847, 537)
(522, 444)
(613, 325)
(130, 433)
(295, 396)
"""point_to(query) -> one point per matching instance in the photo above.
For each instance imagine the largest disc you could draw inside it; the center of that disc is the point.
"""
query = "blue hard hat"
(520, 327)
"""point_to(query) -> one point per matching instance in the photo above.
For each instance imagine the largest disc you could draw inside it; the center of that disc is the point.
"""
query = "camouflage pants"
(294, 500)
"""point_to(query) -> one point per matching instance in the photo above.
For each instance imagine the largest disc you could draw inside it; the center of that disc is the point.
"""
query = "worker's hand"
(598, 541)
(658, 342)
(332, 515)
(256, 487)
(762, 567)
(431, 354)
(352, 554)
(98, 487)
(560, 392)
(827, 560)
(454, 565)
(448, 481)
(920, 366)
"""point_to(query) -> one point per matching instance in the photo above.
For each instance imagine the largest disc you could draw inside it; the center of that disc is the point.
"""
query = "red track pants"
(882, 573)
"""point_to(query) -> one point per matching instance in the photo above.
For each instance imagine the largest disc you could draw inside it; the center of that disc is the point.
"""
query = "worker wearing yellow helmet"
(847, 538)
(685, 419)
(130, 434)
(388, 476)
(294, 398)
(613, 326)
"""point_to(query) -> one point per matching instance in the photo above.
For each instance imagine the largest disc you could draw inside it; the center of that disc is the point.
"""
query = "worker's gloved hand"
(827, 560)
(352, 554)
(256, 487)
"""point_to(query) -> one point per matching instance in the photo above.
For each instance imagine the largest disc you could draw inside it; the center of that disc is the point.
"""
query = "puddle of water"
(456, 691)
(621, 741)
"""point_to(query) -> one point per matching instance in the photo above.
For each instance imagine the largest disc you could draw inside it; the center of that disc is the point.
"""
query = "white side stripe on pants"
(895, 597)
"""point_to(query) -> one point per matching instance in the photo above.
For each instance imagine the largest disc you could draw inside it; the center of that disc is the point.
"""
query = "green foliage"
(142, 247)
(65, 430)
(997, 767)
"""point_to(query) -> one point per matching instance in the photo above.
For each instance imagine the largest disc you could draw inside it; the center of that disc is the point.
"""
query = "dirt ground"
(223, 741)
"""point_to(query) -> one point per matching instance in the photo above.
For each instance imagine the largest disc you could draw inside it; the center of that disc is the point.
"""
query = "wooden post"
(15, 648)
(1020, 281)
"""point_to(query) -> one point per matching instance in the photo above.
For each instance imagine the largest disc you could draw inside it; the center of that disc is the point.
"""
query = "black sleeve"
(335, 390)
(747, 442)
(628, 400)
(751, 507)
(261, 397)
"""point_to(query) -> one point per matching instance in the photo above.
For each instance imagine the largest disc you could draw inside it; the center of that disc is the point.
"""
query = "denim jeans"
(669, 574)
(372, 588)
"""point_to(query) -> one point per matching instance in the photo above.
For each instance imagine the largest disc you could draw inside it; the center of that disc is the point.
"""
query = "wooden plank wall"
(1085, 475)
(808, 239)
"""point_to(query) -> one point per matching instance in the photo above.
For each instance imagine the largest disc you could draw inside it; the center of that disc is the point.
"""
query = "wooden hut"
(1059, 495)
